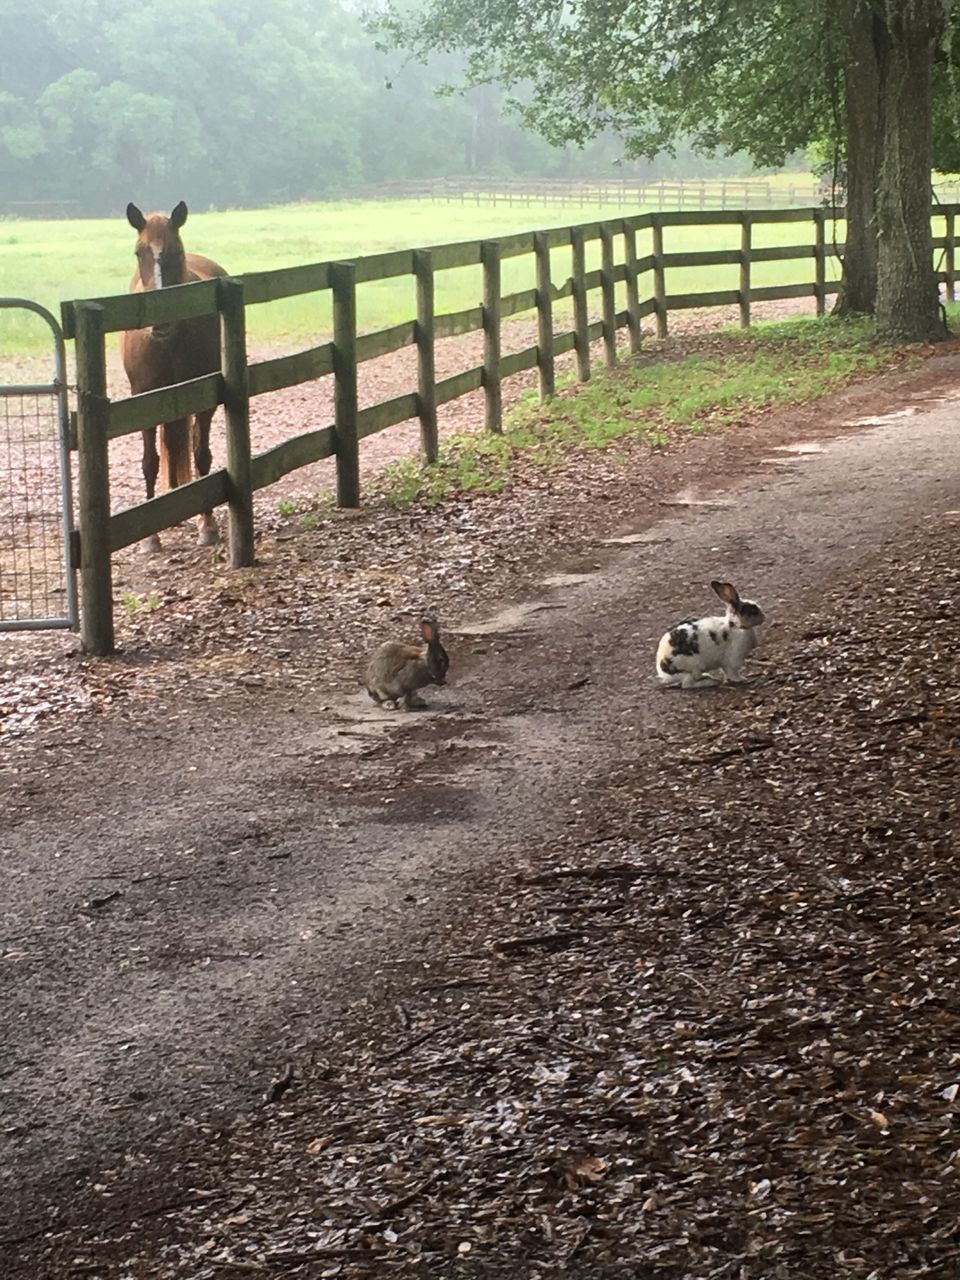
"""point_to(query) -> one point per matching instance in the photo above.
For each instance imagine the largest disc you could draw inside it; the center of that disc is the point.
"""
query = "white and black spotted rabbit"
(700, 652)
(396, 671)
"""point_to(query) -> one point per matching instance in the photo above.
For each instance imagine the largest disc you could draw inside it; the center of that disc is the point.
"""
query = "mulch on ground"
(714, 1033)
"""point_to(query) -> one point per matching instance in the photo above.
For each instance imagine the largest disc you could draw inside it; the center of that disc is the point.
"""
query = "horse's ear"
(179, 216)
(135, 217)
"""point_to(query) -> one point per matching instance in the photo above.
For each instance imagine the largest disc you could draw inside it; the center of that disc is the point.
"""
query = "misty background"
(245, 103)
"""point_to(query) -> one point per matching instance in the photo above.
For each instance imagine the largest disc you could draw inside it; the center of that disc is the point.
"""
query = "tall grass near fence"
(650, 403)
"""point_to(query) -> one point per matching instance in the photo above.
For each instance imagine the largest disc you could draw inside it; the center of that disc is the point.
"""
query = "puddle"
(336, 741)
(883, 418)
(805, 447)
(357, 723)
(468, 744)
(634, 539)
(513, 618)
(566, 579)
(688, 498)
(794, 452)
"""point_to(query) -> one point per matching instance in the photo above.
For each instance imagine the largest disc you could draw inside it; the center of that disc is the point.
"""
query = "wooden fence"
(707, 193)
(99, 419)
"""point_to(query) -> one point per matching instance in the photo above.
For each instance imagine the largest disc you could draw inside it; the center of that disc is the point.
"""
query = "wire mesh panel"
(37, 587)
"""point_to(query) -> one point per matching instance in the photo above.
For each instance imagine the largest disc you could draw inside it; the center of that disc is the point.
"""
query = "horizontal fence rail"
(677, 193)
(621, 306)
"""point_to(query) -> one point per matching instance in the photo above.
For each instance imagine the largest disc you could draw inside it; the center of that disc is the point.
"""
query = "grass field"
(49, 261)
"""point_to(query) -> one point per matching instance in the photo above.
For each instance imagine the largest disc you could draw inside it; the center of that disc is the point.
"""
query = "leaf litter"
(741, 1059)
(712, 1033)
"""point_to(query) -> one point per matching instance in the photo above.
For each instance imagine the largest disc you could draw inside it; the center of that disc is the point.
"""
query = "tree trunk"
(858, 288)
(907, 298)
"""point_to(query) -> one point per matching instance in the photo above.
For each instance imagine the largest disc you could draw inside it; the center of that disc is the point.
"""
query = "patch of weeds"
(323, 501)
(830, 333)
(134, 604)
(473, 462)
(402, 481)
(780, 363)
(310, 511)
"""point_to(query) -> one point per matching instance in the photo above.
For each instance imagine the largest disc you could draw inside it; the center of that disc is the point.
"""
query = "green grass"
(773, 365)
(49, 261)
(134, 604)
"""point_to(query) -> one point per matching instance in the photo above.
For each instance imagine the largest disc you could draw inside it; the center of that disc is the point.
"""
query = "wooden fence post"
(236, 408)
(745, 240)
(580, 320)
(607, 291)
(950, 264)
(93, 476)
(493, 402)
(633, 290)
(343, 280)
(545, 365)
(819, 262)
(426, 361)
(659, 284)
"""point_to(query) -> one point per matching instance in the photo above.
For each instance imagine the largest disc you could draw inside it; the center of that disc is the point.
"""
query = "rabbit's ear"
(429, 630)
(727, 592)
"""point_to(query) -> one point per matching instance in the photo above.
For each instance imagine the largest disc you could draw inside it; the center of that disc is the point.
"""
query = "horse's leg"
(207, 531)
(151, 469)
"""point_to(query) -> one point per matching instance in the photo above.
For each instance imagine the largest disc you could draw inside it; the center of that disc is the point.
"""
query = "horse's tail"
(176, 453)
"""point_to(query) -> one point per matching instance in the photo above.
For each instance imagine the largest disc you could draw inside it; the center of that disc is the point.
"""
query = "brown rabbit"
(396, 671)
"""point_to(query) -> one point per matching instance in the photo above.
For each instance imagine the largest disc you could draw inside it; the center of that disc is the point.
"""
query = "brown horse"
(169, 353)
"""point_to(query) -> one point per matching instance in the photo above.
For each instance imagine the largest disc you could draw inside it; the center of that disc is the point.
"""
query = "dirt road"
(192, 902)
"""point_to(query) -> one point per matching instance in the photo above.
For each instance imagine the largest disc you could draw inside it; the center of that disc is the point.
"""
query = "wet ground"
(229, 883)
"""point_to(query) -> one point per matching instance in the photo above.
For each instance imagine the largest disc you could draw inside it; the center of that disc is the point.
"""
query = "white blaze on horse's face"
(151, 265)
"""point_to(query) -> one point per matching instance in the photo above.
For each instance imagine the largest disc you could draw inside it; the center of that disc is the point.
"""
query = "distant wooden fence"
(707, 193)
(40, 209)
(98, 419)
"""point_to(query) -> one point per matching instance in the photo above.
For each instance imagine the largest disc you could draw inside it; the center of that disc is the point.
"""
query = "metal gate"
(37, 580)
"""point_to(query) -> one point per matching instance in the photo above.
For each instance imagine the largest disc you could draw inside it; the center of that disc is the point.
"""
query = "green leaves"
(740, 75)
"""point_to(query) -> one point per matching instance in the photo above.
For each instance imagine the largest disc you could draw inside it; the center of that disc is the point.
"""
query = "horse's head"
(160, 255)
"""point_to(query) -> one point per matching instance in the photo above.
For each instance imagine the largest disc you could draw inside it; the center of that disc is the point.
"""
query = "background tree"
(239, 102)
(908, 35)
(753, 75)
